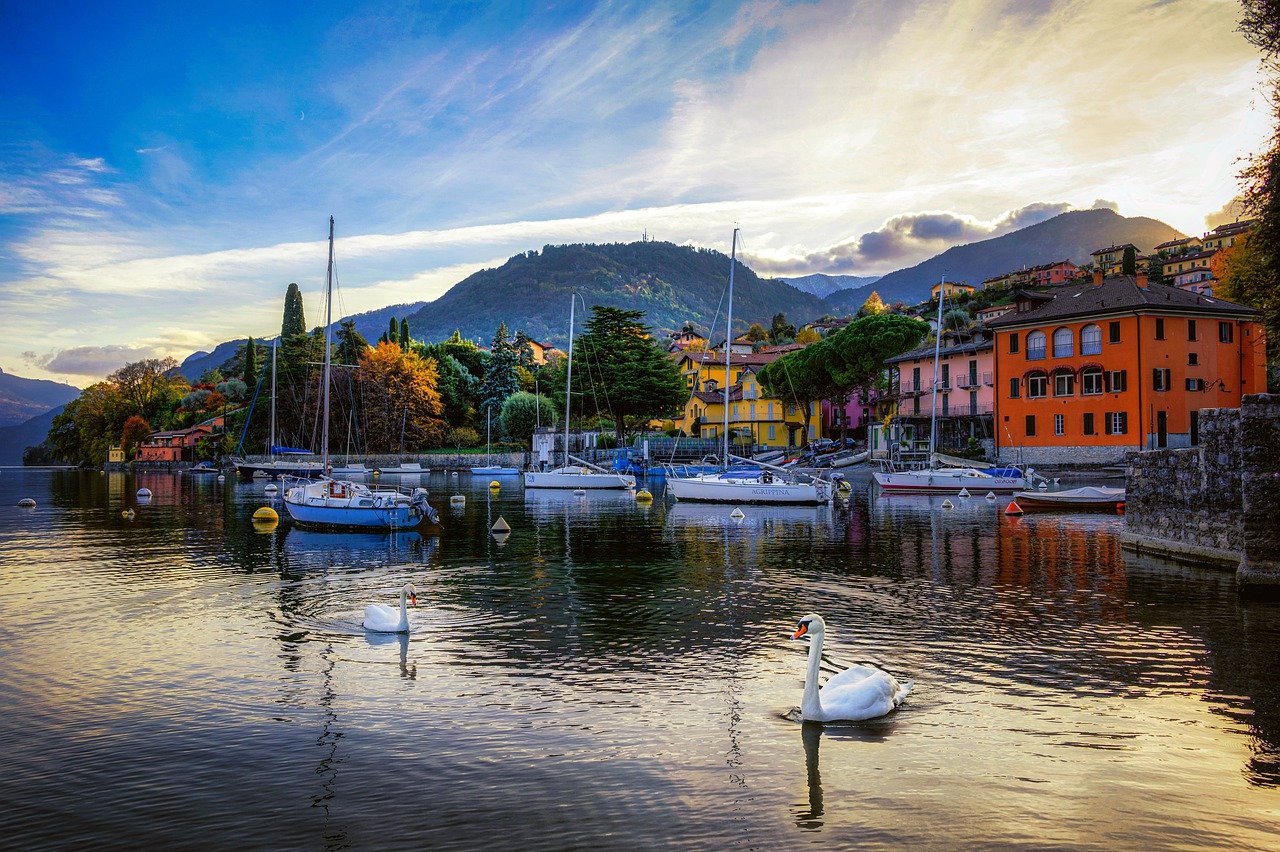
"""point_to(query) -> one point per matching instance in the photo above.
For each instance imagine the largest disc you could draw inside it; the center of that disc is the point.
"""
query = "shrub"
(463, 436)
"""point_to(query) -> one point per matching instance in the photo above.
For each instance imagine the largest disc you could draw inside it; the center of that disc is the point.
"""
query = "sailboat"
(489, 468)
(945, 480)
(275, 467)
(582, 475)
(760, 485)
(329, 502)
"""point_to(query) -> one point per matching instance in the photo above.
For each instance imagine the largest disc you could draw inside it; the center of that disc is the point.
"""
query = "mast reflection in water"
(615, 674)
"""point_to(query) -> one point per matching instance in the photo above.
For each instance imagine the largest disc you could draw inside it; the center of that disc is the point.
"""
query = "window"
(1091, 340)
(1013, 343)
(1117, 381)
(1035, 346)
(1116, 422)
(1195, 384)
(771, 411)
(791, 409)
(752, 408)
(1059, 425)
(773, 432)
(1064, 343)
(1013, 389)
(1037, 385)
(916, 405)
(1114, 333)
(1160, 379)
(1192, 359)
(915, 378)
(1191, 329)
(1031, 425)
(1091, 382)
(1064, 384)
(946, 377)
(1088, 424)
(1226, 332)
(1159, 328)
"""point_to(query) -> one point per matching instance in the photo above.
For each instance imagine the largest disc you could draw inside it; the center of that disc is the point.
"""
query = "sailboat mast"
(328, 308)
(728, 342)
(937, 351)
(568, 383)
(271, 447)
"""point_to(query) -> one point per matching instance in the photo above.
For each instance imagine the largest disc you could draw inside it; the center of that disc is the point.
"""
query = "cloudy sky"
(165, 175)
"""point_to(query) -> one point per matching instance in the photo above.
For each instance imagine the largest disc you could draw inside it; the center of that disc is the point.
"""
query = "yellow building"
(1111, 259)
(953, 289)
(753, 417)
(1225, 236)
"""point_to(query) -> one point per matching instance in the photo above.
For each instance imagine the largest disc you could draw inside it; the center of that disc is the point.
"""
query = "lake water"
(615, 676)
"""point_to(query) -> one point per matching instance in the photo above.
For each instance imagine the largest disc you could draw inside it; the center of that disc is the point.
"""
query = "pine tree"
(404, 333)
(393, 331)
(1129, 261)
(500, 379)
(250, 363)
(295, 321)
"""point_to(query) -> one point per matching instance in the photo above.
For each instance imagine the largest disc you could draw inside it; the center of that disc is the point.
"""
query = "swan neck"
(404, 609)
(811, 705)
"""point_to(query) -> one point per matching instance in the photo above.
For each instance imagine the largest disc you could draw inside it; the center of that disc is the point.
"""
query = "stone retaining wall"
(1218, 502)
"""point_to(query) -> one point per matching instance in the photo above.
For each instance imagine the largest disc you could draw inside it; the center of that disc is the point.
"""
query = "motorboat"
(1090, 498)
(951, 480)
(745, 487)
(573, 476)
(403, 469)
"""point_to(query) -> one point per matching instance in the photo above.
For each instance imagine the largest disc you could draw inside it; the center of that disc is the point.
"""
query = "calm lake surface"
(615, 676)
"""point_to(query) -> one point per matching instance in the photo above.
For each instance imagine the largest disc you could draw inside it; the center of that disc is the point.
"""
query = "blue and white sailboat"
(329, 502)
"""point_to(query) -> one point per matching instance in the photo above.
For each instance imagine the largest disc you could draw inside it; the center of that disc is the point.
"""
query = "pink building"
(966, 395)
(852, 416)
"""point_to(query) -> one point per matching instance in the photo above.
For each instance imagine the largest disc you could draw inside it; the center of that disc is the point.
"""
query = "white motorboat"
(950, 480)
(1088, 499)
(403, 469)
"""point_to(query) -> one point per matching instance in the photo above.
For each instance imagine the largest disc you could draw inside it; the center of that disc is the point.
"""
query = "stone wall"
(1218, 502)
(1186, 502)
(1064, 457)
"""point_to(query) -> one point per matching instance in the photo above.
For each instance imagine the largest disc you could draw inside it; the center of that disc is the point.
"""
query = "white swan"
(384, 619)
(859, 692)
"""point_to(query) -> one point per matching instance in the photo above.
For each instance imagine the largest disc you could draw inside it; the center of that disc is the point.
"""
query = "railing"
(970, 380)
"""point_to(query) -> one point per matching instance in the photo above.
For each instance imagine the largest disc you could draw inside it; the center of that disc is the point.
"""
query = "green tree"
(295, 322)
(955, 319)
(524, 350)
(250, 373)
(617, 361)
(351, 343)
(500, 379)
(522, 412)
(781, 331)
(1129, 261)
(404, 333)
(1245, 278)
(756, 333)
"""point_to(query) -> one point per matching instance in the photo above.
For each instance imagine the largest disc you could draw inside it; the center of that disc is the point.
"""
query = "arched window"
(1091, 340)
(1037, 384)
(1035, 345)
(1091, 382)
(1064, 382)
(1064, 343)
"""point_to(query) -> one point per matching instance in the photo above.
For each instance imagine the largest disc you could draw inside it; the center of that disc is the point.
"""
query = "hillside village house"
(177, 445)
(965, 391)
(1110, 260)
(952, 289)
(1116, 364)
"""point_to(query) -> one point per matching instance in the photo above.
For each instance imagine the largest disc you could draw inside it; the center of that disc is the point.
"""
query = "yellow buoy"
(494, 485)
(643, 496)
(266, 513)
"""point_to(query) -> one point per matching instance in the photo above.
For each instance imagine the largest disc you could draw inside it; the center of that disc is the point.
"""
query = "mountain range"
(22, 399)
(822, 285)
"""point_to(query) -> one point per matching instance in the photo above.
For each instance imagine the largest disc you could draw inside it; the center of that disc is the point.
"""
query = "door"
(1162, 429)
(1195, 428)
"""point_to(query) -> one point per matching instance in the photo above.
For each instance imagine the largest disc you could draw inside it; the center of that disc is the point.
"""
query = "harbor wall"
(1217, 503)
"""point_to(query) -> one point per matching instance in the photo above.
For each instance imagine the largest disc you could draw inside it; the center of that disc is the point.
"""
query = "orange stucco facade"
(1109, 393)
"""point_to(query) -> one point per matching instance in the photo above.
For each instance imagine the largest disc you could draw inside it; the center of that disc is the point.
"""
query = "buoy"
(27, 503)
(500, 538)
(127, 513)
(1043, 486)
(844, 485)
(458, 499)
(500, 526)
(376, 473)
(144, 492)
(964, 492)
(991, 495)
(221, 478)
(579, 492)
(266, 513)
(947, 504)
(643, 496)
(270, 489)
(494, 485)
(737, 514)
(1013, 509)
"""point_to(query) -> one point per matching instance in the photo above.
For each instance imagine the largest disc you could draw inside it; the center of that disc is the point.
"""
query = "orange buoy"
(1013, 508)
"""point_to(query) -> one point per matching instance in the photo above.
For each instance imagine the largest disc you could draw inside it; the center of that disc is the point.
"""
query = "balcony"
(968, 381)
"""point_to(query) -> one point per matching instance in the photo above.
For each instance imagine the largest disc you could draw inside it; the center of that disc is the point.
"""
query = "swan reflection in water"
(809, 815)
(407, 670)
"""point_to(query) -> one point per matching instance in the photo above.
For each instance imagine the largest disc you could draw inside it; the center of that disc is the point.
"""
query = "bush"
(607, 442)
(463, 436)
(233, 389)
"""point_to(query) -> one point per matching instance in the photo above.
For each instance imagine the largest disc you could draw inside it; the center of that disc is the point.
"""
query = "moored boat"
(1090, 498)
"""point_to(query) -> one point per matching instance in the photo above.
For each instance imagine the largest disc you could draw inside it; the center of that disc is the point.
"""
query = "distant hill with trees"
(21, 399)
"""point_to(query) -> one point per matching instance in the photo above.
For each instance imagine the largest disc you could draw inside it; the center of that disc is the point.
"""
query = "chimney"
(1097, 277)
(1142, 279)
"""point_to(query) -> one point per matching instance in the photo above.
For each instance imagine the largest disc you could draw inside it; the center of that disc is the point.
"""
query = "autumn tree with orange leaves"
(401, 399)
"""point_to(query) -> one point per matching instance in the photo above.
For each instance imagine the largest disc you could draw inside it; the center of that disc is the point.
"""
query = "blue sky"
(165, 170)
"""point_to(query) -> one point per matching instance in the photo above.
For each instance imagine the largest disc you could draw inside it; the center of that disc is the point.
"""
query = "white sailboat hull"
(713, 488)
(947, 481)
(575, 477)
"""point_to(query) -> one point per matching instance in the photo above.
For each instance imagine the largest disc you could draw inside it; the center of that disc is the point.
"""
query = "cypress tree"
(393, 333)
(295, 322)
(1129, 262)
(250, 363)
(404, 333)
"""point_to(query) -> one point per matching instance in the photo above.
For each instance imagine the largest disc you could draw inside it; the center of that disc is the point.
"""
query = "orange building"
(174, 446)
(1091, 371)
